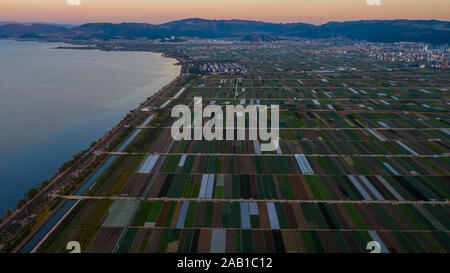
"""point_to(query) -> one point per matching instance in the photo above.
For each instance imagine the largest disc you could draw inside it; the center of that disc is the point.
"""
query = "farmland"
(363, 156)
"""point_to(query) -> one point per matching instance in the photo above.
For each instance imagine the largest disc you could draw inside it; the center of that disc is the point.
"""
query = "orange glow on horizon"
(159, 11)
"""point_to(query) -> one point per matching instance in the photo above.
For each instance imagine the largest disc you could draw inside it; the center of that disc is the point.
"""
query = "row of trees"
(35, 191)
(27, 196)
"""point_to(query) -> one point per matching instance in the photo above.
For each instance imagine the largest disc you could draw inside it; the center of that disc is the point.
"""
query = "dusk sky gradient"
(160, 11)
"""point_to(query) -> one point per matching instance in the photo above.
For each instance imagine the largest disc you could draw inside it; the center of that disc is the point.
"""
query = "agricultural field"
(363, 156)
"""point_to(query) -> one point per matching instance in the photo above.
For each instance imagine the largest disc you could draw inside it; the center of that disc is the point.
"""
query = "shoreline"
(86, 155)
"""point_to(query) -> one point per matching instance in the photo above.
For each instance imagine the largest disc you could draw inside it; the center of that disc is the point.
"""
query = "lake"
(56, 102)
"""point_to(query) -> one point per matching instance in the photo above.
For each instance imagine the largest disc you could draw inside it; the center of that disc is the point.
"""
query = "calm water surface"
(55, 102)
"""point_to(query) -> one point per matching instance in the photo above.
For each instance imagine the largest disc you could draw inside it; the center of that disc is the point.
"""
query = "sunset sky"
(160, 11)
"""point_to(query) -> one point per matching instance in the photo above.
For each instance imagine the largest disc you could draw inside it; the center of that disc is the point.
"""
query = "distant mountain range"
(429, 31)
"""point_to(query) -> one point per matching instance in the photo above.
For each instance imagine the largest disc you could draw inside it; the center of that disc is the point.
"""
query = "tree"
(9, 212)
(21, 203)
(31, 193)
(44, 184)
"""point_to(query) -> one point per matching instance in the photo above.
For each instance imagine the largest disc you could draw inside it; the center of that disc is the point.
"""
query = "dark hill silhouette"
(429, 31)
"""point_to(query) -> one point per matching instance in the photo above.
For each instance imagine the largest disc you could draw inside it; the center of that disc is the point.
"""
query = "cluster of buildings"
(222, 67)
(412, 52)
(423, 54)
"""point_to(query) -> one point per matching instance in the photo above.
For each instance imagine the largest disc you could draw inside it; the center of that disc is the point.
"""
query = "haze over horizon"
(161, 11)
